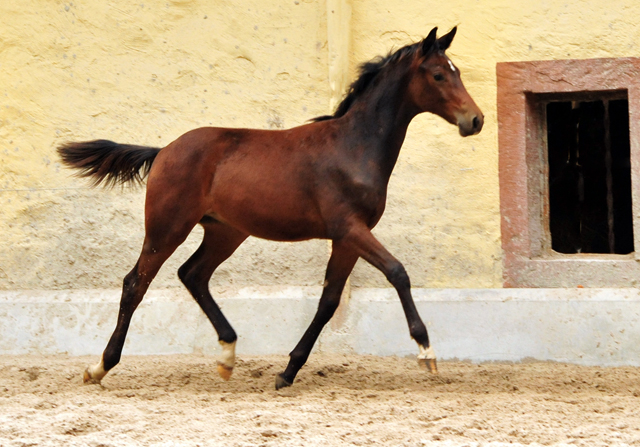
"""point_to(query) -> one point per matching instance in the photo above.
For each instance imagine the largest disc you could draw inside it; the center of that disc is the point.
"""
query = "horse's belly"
(275, 226)
(291, 230)
(288, 216)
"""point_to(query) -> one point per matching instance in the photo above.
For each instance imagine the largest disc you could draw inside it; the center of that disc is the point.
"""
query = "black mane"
(368, 71)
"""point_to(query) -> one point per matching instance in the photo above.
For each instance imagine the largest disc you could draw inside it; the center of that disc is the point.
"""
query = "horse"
(326, 179)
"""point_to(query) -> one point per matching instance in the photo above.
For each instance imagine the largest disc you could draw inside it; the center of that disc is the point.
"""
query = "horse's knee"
(398, 277)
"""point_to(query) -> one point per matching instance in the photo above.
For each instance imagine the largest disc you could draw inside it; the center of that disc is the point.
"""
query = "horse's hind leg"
(155, 251)
(338, 270)
(219, 242)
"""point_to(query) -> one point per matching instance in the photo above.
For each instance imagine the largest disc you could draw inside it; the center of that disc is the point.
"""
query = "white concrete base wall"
(584, 326)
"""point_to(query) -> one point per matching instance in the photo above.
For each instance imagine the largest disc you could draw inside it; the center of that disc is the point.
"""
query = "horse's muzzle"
(470, 124)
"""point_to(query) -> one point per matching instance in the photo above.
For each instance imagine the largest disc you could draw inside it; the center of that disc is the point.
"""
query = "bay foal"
(326, 179)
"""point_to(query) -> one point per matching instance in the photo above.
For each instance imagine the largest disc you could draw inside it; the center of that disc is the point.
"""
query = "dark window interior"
(589, 176)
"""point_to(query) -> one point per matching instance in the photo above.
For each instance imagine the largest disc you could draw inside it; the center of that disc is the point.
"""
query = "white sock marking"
(427, 353)
(228, 357)
(97, 371)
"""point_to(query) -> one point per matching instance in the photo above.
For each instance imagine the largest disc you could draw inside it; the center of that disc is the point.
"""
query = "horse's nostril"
(476, 122)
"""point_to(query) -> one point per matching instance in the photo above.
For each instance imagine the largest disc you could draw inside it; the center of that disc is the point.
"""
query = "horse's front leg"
(338, 270)
(370, 249)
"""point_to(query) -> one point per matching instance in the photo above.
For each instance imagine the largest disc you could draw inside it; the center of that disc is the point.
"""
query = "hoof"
(429, 364)
(224, 371)
(281, 382)
(86, 377)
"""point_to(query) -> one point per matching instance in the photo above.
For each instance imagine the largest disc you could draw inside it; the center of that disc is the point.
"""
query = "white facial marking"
(228, 357)
(451, 65)
(427, 353)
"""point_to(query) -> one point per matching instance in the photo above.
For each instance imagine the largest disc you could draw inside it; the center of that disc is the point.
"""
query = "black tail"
(107, 162)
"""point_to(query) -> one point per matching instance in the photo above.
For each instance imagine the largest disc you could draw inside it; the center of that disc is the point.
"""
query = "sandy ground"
(336, 401)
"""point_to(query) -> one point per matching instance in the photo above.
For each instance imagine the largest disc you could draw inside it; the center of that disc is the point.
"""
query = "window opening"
(588, 152)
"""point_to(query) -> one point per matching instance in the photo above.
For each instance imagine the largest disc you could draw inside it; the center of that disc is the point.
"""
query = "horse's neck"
(380, 118)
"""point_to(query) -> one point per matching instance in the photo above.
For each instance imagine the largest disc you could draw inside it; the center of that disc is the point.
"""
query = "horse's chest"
(363, 195)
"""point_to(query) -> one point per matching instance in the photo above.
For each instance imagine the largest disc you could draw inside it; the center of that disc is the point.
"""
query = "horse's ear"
(445, 40)
(429, 41)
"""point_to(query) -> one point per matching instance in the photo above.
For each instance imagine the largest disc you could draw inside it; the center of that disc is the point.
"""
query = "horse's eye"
(438, 77)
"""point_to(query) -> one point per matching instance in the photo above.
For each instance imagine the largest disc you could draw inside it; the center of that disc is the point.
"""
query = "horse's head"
(436, 86)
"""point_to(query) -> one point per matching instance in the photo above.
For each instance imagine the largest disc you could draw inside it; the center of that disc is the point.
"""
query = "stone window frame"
(523, 89)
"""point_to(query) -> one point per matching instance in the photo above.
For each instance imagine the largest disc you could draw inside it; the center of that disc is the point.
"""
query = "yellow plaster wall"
(146, 72)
